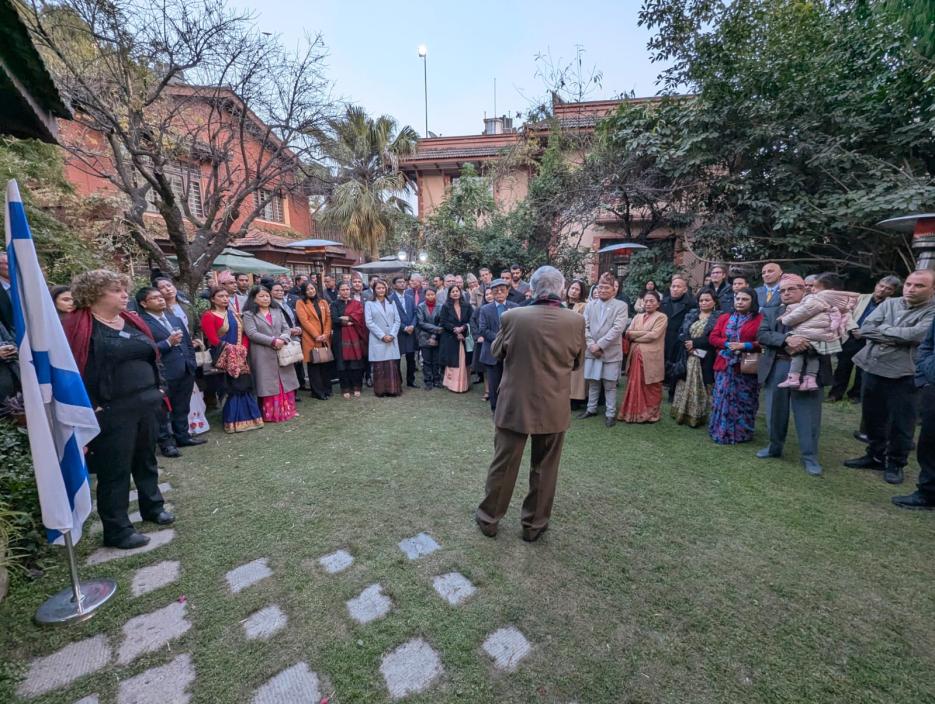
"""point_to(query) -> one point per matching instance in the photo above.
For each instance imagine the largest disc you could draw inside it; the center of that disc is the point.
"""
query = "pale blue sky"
(373, 58)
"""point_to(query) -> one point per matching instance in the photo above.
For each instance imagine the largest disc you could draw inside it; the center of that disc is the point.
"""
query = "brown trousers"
(501, 478)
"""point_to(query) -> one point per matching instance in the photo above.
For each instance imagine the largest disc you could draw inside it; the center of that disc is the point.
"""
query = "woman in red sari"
(350, 340)
(645, 367)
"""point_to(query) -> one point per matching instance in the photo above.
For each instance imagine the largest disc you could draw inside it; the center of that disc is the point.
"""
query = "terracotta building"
(438, 161)
(285, 217)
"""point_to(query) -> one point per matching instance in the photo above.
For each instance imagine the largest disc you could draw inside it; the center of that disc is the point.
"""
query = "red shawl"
(353, 336)
(78, 326)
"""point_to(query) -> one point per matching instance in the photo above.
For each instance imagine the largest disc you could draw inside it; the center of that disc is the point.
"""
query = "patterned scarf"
(732, 333)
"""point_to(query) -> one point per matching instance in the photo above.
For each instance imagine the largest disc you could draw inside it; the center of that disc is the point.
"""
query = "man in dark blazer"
(488, 325)
(675, 305)
(540, 345)
(6, 301)
(177, 358)
(406, 337)
(778, 347)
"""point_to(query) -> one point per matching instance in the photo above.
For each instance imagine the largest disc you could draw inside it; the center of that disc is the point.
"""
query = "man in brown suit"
(540, 344)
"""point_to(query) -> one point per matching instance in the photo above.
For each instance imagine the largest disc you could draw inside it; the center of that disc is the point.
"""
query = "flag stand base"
(79, 602)
(61, 609)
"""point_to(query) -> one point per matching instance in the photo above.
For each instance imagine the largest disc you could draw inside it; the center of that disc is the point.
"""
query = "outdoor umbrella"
(624, 245)
(314, 243)
(384, 265)
(242, 262)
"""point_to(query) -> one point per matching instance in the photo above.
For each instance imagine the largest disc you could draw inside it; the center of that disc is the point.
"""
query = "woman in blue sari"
(224, 332)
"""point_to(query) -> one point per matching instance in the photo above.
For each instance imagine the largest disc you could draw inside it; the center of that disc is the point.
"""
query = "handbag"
(322, 355)
(468, 340)
(205, 362)
(197, 422)
(290, 353)
(749, 362)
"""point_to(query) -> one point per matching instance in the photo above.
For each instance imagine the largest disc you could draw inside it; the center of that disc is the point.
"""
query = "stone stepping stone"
(155, 577)
(65, 666)
(507, 646)
(149, 632)
(90, 699)
(295, 685)
(160, 685)
(164, 488)
(370, 605)
(247, 575)
(156, 540)
(418, 546)
(411, 668)
(453, 587)
(264, 623)
(337, 561)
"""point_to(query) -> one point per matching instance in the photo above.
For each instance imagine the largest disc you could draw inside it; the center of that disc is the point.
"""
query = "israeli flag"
(59, 416)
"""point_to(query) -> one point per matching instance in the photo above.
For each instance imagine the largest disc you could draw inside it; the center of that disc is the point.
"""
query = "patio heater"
(922, 227)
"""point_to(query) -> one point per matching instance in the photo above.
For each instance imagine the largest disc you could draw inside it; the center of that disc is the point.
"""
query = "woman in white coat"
(382, 319)
(268, 331)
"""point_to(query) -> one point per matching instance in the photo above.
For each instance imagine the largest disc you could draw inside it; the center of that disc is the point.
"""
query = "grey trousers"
(806, 411)
(610, 396)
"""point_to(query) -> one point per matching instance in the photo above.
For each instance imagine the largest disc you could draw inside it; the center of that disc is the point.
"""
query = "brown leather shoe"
(531, 536)
(488, 529)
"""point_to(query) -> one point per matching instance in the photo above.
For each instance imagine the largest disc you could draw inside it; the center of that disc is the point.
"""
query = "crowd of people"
(258, 343)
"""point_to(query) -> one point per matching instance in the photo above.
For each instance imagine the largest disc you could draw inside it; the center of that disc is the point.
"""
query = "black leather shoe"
(864, 462)
(610, 421)
(861, 436)
(191, 442)
(833, 398)
(585, 414)
(128, 542)
(486, 528)
(170, 451)
(894, 475)
(916, 501)
(163, 518)
(531, 536)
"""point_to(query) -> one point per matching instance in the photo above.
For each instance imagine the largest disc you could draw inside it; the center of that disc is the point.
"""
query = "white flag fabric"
(59, 416)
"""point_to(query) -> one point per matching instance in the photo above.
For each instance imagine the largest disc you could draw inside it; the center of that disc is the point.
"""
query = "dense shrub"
(18, 491)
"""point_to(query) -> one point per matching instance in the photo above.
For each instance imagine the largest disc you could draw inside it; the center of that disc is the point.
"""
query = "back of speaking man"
(540, 345)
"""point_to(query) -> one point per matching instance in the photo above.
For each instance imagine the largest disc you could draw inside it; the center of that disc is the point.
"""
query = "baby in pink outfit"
(823, 318)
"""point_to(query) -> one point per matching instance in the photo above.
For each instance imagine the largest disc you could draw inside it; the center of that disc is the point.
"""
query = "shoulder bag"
(290, 353)
(749, 362)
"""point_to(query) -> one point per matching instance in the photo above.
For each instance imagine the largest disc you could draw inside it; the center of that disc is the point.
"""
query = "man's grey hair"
(893, 281)
(547, 281)
(416, 275)
(811, 277)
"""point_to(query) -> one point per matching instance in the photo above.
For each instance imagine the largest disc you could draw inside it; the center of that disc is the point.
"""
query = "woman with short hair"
(735, 399)
(382, 319)
(119, 365)
(349, 338)
(269, 331)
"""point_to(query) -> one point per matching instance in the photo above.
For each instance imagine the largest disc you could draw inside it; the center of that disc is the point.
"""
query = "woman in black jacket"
(695, 363)
(455, 321)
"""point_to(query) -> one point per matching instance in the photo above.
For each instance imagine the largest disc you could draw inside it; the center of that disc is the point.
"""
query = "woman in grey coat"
(268, 330)
(382, 319)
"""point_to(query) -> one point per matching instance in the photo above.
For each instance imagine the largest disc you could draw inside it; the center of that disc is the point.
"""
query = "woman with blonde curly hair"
(118, 362)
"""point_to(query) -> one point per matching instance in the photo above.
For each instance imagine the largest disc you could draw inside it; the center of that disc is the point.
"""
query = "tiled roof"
(457, 153)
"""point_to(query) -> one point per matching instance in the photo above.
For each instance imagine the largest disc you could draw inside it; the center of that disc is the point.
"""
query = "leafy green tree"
(810, 122)
(367, 186)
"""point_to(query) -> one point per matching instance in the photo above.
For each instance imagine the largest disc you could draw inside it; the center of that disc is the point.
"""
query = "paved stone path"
(453, 587)
(156, 540)
(507, 646)
(337, 561)
(411, 668)
(167, 684)
(296, 685)
(90, 699)
(369, 605)
(418, 546)
(247, 575)
(264, 623)
(155, 577)
(164, 488)
(143, 634)
(65, 666)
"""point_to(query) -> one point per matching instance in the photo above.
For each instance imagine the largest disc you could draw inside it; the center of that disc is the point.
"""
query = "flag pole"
(80, 601)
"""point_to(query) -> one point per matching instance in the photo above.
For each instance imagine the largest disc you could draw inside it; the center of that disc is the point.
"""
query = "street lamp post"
(423, 54)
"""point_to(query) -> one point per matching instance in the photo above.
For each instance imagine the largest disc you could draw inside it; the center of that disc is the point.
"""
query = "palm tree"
(367, 183)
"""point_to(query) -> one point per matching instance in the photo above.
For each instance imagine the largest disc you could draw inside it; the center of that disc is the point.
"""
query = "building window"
(272, 208)
(186, 185)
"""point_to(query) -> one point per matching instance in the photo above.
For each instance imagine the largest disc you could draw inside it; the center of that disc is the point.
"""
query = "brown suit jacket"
(540, 345)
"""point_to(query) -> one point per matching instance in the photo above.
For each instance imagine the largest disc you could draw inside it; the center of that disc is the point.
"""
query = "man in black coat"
(778, 347)
(488, 325)
(177, 358)
(6, 301)
(675, 305)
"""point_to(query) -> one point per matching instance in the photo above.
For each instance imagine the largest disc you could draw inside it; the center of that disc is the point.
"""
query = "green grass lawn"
(674, 570)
